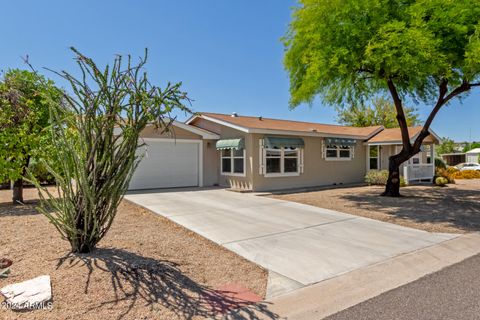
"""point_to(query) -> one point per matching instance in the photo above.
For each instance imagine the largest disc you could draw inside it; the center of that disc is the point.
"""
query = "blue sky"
(227, 53)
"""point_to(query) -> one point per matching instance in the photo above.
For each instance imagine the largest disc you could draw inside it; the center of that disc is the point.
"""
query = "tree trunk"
(392, 188)
(17, 197)
(81, 247)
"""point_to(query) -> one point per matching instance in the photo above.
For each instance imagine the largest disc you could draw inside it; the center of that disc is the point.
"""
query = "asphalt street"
(452, 293)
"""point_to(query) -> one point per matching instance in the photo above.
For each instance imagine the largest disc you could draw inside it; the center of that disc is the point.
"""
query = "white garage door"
(167, 164)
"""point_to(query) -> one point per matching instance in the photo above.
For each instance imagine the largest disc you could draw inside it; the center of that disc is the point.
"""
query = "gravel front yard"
(453, 209)
(146, 268)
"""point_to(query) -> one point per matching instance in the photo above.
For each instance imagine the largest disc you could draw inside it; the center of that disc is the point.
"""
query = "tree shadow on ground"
(142, 280)
(25, 209)
(457, 207)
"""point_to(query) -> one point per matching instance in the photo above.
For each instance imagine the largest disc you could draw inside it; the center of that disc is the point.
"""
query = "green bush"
(380, 177)
(440, 163)
(441, 181)
(41, 173)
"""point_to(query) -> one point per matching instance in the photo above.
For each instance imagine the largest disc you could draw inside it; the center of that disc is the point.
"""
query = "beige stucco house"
(260, 154)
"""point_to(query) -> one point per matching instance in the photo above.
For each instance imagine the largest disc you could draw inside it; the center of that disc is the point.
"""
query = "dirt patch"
(454, 209)
(145, 268)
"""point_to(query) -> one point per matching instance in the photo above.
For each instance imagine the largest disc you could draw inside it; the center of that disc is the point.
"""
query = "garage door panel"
(167, 165)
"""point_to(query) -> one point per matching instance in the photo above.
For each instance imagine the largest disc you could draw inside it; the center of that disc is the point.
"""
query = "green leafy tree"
(382, 112)
(471, 146)
(25, 99)
(348, 50)
(447, 146)
(96, 144)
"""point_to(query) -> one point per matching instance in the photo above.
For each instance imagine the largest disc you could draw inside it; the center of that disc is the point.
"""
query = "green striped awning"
(236, 144)
(279, 142)
(340, 141)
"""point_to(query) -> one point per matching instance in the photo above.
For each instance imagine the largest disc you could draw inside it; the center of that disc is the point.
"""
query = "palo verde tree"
(381, 113)
(25, 99)
(97, 143)
(347, 50)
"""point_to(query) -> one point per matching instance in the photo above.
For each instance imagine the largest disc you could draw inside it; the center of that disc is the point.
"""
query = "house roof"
(267, 125)
(476, 150)
(394, 135)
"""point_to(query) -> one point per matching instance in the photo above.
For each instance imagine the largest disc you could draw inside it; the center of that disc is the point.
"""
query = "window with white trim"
(428, 150)
(283, 161)
(338, 152)
(373, 157)
(232, 161)
(280, 161)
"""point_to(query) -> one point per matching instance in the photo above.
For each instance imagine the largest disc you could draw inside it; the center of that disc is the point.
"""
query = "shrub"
(441, 181)
(466, 174)
(98, 159)
(446, 173)
(380, 177)
(41, 173)
(440, 163)
(452, 170)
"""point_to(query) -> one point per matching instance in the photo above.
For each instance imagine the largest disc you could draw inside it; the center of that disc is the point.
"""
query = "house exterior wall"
(211, 164)
(317, 171)
(212, 157)
(472, 157)
(385, 152)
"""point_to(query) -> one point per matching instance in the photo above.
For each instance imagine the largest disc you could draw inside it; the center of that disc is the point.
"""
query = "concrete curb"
(336, 294)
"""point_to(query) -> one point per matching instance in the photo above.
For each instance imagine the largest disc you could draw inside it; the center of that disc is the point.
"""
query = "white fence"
(424, 171)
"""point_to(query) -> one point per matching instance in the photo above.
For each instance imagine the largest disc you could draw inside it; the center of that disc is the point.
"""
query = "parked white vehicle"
(468, 166)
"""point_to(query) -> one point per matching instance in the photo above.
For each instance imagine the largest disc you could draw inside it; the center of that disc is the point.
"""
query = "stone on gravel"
(28, 294)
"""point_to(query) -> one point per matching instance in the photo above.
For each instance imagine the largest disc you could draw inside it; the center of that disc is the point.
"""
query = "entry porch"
(420, 167)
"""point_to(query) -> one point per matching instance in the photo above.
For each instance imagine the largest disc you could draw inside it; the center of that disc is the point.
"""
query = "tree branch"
(443, 98)
(402, 121)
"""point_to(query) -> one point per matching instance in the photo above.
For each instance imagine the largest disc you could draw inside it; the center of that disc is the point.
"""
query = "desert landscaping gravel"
(451, 209)
(145, 268)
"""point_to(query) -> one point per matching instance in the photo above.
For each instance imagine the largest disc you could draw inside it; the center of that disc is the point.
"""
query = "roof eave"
(205, 134)
(306, 133)
(284, 132)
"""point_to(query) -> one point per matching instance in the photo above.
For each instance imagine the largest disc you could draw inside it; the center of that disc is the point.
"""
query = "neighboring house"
(452, 159)
(472, 155)
(259, 154)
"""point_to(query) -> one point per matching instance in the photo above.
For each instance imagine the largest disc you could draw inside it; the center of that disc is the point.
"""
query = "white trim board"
(201, 132)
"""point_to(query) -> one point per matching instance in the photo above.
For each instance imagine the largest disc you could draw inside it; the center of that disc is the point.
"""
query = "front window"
(282, 161)
(233, 161)
(428, 150)
(415, 159)
(373, 156)
(338, 152)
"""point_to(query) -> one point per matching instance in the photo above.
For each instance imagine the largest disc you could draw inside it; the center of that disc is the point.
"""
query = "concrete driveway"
(298, 244)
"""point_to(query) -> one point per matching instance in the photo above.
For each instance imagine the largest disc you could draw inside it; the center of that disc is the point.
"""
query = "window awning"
(279, 142)
(340, 141)
(236, 144)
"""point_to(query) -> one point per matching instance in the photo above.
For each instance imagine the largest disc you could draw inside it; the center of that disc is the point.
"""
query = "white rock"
(29, 294)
